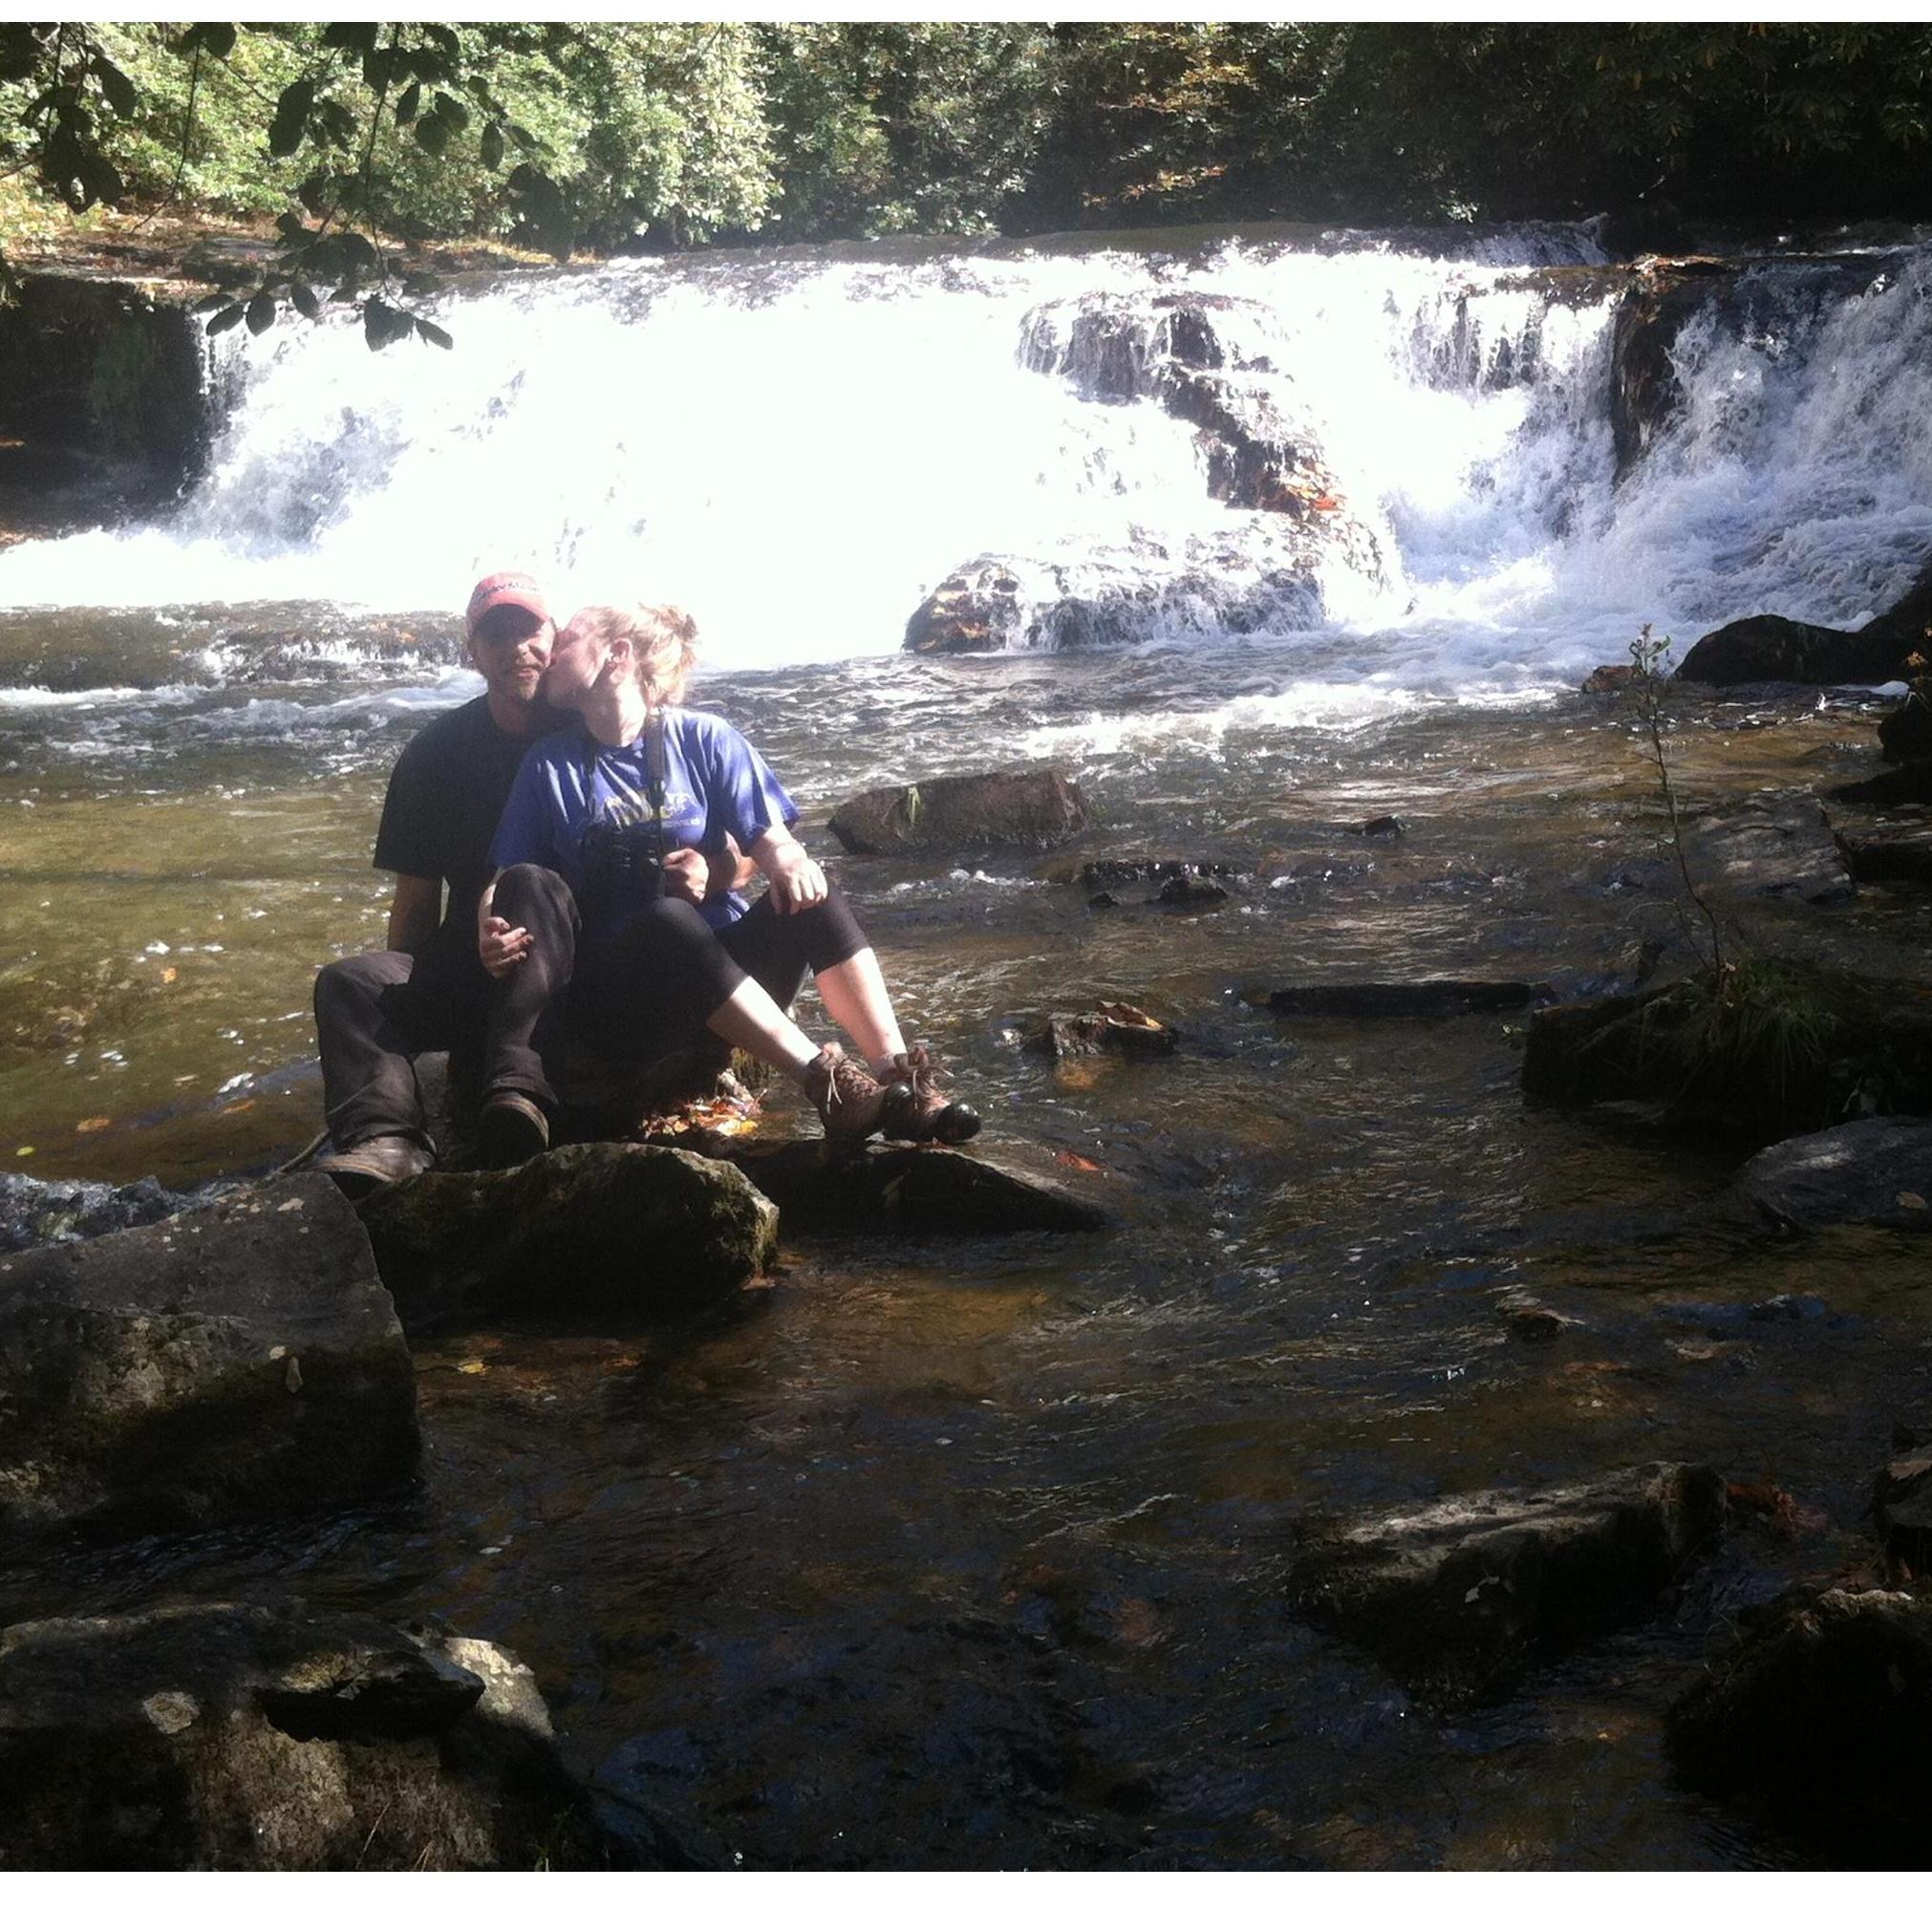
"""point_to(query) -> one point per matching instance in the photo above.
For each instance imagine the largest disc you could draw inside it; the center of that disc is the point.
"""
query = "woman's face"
(577, 664)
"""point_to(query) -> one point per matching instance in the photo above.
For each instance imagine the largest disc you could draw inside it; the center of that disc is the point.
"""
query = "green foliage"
(599, 134)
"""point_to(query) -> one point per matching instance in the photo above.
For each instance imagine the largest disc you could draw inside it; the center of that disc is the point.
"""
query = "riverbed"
(971, 1554)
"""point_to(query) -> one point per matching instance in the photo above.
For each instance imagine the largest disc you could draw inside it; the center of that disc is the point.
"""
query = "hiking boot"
(850, 1102)
(511, 1130)
(378, 1162)
(926, 1113)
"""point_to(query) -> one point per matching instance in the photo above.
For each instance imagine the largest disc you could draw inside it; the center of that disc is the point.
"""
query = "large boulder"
(240, 1358)
(955, 817)
(1821, 1713)
(1780, 1049)
(1779, 649)
(1870, 1172)
(600, 1228)
(225, 1737)
(1455, 1596)
(1253, 574)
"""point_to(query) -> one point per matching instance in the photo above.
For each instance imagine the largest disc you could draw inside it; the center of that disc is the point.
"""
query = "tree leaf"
(261, 314)
(291, 226)
(432, 133)
(291, 117)
(357, 35)
(118, 88)
(220, 324)
(408, 101)
(430, 332)
(493, 145)
(306, 302)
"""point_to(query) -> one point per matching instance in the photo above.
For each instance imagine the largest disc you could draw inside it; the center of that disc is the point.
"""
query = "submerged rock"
(1456, 1597)
(1766, 852)
(915, 1190)
(944, 817)
(223, 1737)
(1872, 1173)
(1822, 1713)
(1403, 999)
(594, 1228)
(1189, 894)
(1096, 873)
(239, 1358)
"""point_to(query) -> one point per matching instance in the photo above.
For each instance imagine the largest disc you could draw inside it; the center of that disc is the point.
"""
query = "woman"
(620, 856)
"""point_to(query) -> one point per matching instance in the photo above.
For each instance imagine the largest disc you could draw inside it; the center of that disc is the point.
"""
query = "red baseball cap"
(506, 586)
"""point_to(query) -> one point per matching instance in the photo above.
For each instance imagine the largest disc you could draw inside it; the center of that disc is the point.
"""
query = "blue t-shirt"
(571, 784)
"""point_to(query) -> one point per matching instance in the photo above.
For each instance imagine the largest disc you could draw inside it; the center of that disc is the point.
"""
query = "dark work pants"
(375, 1012)
(646, 991)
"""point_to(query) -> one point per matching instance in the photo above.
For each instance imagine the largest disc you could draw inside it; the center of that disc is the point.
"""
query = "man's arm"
(414, 912)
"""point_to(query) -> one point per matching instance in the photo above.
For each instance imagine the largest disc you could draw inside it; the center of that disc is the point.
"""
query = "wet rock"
(1645, 389)
(1095, 873)
(1388, 826)
(1786, 1048)
(1101, 902)
(240, 1358)
(1820, 1713)
(1898, 855)
(1403, 999)
(33, 1213)
(1779, 649)
(1112, 1027)
(598, 1229)
(949, 816)
(917, 1191)
(1258, 574)
(1908, 784)
(1609, 679)
(225, 1737)
(1902, 1507)
(1529, 1318)
(1456, 1597)
(1869, 1172)
(1189, 894)
(1786, 852)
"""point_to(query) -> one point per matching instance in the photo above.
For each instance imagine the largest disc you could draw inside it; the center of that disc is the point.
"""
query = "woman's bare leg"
(751, 1021)
(855, 997)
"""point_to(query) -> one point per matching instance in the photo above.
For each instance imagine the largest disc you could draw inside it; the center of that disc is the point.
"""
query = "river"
(971, 1554)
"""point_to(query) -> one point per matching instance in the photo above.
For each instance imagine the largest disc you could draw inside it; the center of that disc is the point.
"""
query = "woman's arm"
(796, 880)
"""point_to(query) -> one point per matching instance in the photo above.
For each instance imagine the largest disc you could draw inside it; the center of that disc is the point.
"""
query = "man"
(428, 991)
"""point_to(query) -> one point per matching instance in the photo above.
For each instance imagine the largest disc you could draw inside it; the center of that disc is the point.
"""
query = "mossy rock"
(1776, 1048)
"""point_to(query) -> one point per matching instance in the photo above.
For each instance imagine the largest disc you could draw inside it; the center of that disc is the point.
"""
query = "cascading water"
(800, 448)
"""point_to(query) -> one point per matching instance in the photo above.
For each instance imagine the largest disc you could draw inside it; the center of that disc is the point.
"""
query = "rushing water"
(972, 1552)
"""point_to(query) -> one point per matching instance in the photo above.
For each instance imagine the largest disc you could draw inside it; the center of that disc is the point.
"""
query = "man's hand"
(796, 880)
(500, 945)
(687, 872)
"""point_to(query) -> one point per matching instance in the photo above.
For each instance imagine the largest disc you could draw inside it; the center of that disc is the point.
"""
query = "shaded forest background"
(610, 136)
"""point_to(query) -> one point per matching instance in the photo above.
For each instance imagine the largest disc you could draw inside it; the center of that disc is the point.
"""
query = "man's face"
(577, 664)
(511, 645)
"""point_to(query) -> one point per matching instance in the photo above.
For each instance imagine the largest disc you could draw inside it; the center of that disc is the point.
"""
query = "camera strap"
(656, 760)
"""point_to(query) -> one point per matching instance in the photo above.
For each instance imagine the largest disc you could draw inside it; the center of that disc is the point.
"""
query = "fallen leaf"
(472, 1368)
(21, 1153)
(240, 1107)
(1908, 1199)
(94, 1126)
(168, 975)
(1079, 1161)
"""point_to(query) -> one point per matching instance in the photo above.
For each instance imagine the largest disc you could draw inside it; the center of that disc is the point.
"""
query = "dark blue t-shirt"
(714, 784)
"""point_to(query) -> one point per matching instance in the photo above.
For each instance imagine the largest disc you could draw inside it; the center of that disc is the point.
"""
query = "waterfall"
(802, 446)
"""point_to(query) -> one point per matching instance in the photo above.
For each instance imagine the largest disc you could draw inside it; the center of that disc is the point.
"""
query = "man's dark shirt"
(445, 796)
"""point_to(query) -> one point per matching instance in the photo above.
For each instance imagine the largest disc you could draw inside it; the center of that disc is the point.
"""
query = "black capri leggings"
(648, 989)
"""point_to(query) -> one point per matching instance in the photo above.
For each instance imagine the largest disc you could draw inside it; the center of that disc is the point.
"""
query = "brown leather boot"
(850, 1100)
(927, 1112)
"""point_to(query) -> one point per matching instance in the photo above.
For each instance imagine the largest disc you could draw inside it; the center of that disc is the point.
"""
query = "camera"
(623, 867)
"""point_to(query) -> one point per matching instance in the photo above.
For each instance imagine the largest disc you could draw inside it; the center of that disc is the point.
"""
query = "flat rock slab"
(1456, 1597)
(913, 1191)
(1906, 784)
(225, 1737)
(240, 1358)
(1784, 853)
(1821, 1714)
(1403, 999)
(601, 1228)
(1868, 1172)
(945, 817)
(1901, 854)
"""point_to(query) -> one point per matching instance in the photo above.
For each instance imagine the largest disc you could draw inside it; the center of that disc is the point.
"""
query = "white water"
(800, 450)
